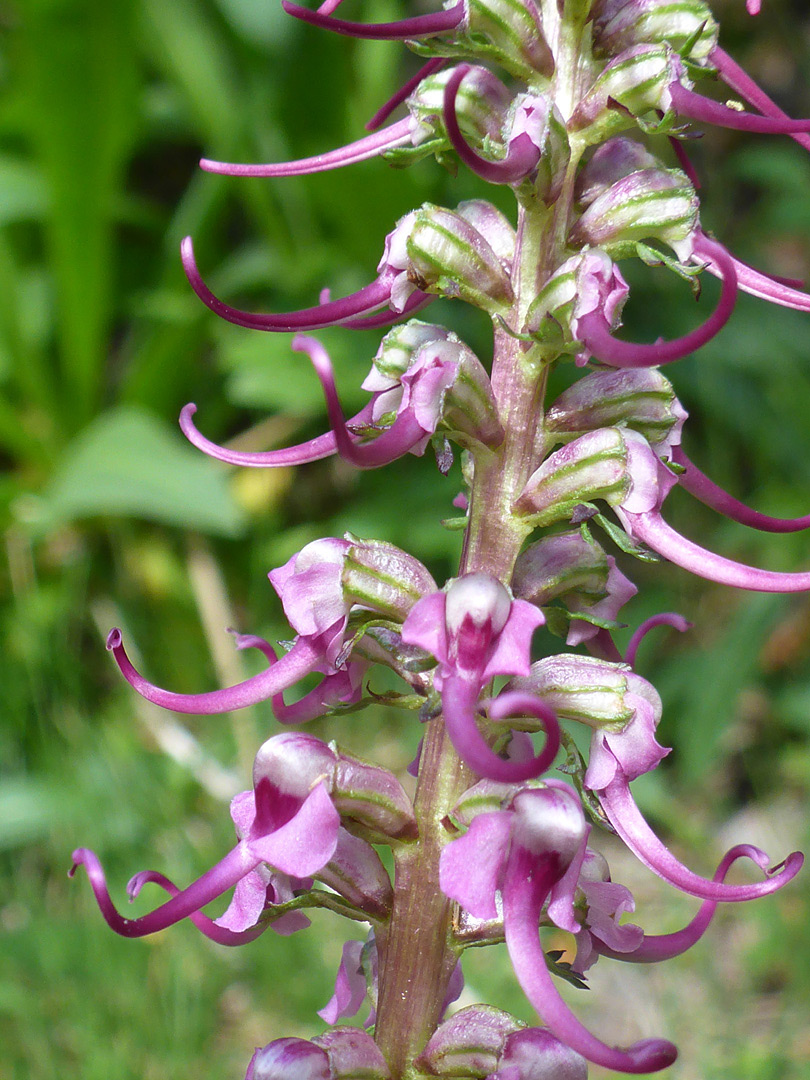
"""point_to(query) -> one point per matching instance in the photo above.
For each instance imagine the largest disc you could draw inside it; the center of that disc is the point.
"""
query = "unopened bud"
(612, 161)
(469, 1044)
(653, 204)
(594, 466)
(481, 103)
(578, 688)
(620, 24)
(641, 398)
(450, 257)
(383, 578)
(638, 80)
(374, 799)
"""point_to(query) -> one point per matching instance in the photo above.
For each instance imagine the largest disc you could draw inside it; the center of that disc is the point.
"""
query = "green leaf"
(129, 463)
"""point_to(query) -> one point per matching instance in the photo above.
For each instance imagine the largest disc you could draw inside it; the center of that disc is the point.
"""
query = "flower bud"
(638, 79)
(653, 204)
(481, 104)
(612, 161)
(353, 1054)
(619, 24)
(509, 34)
(356, 872)
(579, 688)
(535, 1054)
(382, 578)
(493, 225)
(639, 398)
(450, 257)
(339, 1054)
(513, 33)
(469, 1044)
(594, 466)
(373, 798)
(576, 570)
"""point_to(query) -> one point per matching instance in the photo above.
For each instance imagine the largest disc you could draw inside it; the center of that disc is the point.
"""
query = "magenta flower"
(532, 854)
(477, 631)
(289, 825)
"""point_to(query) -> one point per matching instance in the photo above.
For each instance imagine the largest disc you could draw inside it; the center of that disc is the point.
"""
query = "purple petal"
(212, 884)
(524, 896)
(459, 703)
(522, 155)
(595, 331)
(350, 986)
(398, 134)
(419, 26)
(652, 530)
(425, 626)
(299, 661)
(307, 842)
(666, 618)
(628, 822)
(289, 1059)
(534, 1054)
(512, 652)
(211, 929)
(657, 947)
(470, 868)
(393, 443)
(699, 485)
(366, 300)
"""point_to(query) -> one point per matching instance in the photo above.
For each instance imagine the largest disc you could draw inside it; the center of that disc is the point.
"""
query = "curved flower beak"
(439, 22)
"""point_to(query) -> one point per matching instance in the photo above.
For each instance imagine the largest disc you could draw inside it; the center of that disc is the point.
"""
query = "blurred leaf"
(132, 464)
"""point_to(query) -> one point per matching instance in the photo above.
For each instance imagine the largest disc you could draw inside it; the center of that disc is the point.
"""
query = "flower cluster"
(491, 848)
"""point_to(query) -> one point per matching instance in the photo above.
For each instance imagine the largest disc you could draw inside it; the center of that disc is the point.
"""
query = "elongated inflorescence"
(493, 846)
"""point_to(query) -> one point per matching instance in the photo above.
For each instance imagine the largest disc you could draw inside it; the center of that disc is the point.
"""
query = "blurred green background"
(108, 517)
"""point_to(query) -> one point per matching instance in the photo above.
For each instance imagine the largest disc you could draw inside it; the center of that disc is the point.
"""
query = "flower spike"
(627, 820)
(594, 329)
(418, 26)
(698, 484)
(522, 155)
(398, 134)
(303, 658)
